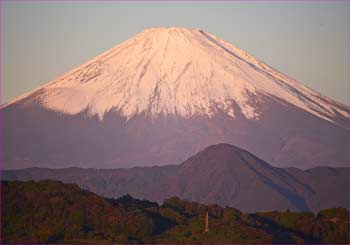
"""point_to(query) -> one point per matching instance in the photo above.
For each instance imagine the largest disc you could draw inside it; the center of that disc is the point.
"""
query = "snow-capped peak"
(178, 71)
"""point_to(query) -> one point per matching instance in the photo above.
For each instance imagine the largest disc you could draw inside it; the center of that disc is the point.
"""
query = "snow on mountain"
(177, 71)
(165, 94)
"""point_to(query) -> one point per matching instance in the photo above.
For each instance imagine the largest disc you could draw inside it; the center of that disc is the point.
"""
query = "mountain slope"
(221, 174)
(164, 94)
(180, 72)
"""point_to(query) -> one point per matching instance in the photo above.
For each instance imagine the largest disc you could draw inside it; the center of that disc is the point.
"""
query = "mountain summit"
(164, 94)
(181, 72)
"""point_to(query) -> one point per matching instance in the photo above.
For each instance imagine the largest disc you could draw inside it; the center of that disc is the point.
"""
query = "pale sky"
(309, 41)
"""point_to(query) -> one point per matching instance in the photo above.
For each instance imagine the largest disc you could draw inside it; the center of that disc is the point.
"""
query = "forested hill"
(53, 212)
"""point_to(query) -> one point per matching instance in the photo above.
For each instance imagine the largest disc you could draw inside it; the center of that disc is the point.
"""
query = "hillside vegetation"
(54, 212)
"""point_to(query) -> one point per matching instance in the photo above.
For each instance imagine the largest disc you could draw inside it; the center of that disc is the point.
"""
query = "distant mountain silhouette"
(222, 174)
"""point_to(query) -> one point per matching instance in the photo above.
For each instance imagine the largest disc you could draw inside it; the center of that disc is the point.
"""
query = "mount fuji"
(163, 95)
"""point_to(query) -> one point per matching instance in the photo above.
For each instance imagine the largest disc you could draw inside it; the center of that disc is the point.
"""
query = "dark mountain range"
(163, 95)
(53, 212)
(221, 174)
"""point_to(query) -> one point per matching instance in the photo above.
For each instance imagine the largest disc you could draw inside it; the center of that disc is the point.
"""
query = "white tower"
(207, 222)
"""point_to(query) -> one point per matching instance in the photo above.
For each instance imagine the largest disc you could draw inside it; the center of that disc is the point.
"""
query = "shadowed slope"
(221, 174)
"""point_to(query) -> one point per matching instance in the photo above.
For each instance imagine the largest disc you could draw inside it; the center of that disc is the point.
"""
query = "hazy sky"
(308, 41)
